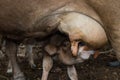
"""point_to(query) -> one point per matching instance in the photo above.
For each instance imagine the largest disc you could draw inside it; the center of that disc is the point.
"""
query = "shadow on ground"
(96, 69)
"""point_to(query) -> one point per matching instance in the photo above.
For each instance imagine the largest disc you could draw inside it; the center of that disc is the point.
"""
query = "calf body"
(59, 46)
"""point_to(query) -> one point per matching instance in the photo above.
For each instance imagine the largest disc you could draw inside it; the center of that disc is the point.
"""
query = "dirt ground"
(92, 69)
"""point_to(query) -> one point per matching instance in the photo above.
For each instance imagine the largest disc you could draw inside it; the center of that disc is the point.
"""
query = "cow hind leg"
(29, 53)
(117, 62)
(11, 51)
(9, 69)
(115, 42)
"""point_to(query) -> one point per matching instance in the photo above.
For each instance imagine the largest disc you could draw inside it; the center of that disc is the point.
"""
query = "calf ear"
(74, 47)
(50, 49)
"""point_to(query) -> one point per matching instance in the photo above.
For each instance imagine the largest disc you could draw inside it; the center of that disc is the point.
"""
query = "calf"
(59, 45)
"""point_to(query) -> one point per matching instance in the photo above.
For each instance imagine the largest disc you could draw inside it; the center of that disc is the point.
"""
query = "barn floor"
(89, 70)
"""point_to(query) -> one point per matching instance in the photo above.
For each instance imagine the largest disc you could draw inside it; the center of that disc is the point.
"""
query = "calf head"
(62, 47)
(84, 52)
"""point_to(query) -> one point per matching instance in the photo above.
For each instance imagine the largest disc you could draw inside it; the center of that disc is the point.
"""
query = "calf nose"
(86, 54)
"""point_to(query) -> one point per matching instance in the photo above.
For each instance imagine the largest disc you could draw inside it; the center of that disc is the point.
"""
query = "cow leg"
(11, 51)
(29, 52)
(2, 48)
(117, 51)
(72, 73)
(114, 32)
(1, 54)
(9, 69)
(47, 65)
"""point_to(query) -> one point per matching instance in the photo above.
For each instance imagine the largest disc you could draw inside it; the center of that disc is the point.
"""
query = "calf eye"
(66, 43)
(81, 43)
